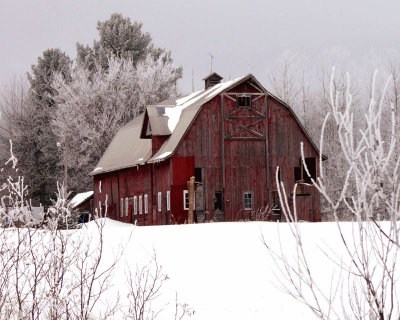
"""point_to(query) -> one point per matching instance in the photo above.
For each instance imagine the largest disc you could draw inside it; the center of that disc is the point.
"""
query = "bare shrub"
(366, 286)
(144, 288)
(264, 213)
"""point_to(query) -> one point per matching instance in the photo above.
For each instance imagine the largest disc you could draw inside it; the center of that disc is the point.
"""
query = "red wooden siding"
(237, 150)
(125, 183)
(161, 183)
(284, 149)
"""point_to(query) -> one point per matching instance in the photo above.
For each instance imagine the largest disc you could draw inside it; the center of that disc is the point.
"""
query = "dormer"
(211, 80)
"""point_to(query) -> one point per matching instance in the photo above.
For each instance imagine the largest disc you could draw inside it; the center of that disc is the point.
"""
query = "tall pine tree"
(35, 144)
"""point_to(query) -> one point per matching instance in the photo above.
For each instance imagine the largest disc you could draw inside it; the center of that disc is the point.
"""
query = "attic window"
(243, 101)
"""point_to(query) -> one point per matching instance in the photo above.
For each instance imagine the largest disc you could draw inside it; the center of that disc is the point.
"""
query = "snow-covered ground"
(222, 270)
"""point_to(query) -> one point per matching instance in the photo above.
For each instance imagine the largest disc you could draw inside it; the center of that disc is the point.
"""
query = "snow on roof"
(126, 149)
(80, 198)
(181, 116)
(170, 118)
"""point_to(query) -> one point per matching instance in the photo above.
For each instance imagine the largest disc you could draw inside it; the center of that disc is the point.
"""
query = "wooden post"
(190, 184)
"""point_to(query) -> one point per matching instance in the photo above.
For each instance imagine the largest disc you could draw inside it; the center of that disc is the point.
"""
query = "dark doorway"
(218, 201)
(198, 177)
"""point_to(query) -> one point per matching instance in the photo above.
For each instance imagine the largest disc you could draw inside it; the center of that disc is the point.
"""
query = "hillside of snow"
(222, 270)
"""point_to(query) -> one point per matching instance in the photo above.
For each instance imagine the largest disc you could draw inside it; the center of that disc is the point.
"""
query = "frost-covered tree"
(118, 37)
(27, 123)
(92, 106)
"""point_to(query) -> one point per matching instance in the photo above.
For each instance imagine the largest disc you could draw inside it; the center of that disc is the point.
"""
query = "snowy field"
(221, 270)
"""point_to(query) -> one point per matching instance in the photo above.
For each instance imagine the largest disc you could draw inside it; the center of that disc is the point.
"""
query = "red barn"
(230, 136)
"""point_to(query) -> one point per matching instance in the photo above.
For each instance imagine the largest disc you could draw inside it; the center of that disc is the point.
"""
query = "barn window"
(168, 201)
(185, 200)
(243, 101)
(300, 173)
(126, 206)
(146, 204)
(159, 201)
(134, 205)
(140, 205)
(121, 207)
(197, 175)
(248, 200)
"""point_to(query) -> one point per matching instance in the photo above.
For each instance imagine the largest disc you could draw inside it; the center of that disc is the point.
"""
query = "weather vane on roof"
(211, 60)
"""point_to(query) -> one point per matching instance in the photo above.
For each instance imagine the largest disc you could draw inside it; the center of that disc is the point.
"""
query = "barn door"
(304, 208)
(182, 170)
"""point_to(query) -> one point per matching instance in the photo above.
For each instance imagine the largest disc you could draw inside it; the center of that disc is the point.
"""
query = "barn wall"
(161, 183)
(124, 183)
(245, 168)
(245, 160)
(286, 136)
(203, 142)
(136, 181)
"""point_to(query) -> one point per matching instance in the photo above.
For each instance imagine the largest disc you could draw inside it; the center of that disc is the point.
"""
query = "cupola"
(211, 80)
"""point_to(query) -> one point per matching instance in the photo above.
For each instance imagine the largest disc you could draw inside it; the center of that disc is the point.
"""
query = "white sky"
(244, 36)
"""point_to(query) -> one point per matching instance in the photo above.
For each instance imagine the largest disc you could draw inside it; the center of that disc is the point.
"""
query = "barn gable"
(188, 108)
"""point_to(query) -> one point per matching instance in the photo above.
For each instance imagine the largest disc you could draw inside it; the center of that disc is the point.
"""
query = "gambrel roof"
(131, 147)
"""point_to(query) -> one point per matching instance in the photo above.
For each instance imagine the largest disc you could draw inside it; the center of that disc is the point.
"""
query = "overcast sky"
(244, 36)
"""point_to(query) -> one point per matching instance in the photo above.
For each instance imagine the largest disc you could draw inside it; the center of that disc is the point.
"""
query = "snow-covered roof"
(182, 115)
(80, 198)
(126, 149)
(170, 118)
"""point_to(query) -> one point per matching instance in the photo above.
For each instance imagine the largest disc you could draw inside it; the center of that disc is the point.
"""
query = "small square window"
(159, 201)
(140, 205)
(243, 101)
(146, 204)
(168, 201)
(248, 201)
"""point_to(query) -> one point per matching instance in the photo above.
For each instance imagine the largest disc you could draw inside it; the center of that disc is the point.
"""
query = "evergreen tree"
(35, 144)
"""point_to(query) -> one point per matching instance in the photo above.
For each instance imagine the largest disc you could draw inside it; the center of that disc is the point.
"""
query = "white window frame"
(140, 205)
(159, 201)
(135, 205)
(121, 207)
(126, 206)
(168, 201)
(251, 200)
(186, 192)
(146, 203)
